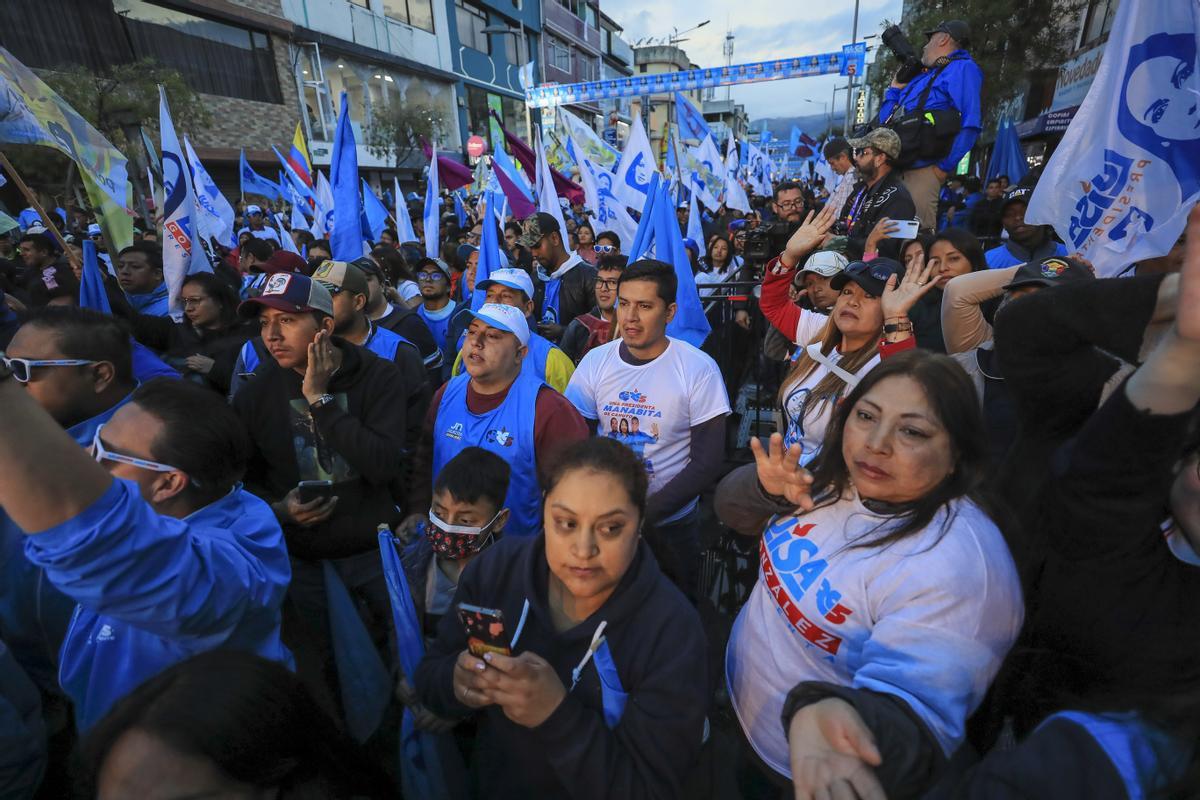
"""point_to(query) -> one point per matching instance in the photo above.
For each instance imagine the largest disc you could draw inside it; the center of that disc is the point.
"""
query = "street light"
(674, 40)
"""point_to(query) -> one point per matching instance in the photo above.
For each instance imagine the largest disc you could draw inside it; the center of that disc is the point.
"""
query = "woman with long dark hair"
(223, 724)
(887, 596)
(952, 252)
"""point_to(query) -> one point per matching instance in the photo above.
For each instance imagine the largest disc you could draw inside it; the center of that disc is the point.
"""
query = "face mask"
(458, 541)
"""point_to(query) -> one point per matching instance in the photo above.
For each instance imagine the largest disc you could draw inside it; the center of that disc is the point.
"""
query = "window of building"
(560, 53)
(471, 22)
(588, 68)
(1099, 19)
(418, 13)
(605, 40)
(514, 47)
(590, 16)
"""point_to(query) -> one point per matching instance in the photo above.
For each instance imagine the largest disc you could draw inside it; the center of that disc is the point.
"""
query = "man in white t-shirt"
(665, 400)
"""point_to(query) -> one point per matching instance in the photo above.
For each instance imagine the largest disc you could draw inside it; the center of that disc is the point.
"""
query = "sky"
(763, 29)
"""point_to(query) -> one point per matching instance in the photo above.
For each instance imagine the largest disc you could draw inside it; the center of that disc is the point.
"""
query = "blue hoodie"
(957, 86)
(34, 615)
(154, 590)
(156, 303)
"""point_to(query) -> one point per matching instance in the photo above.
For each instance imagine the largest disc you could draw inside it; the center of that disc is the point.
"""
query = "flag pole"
(33, 201)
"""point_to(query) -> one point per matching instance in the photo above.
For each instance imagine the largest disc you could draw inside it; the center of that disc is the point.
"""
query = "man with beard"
(879, 192)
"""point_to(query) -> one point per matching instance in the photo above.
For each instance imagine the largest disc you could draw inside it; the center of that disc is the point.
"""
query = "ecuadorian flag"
(298, 158)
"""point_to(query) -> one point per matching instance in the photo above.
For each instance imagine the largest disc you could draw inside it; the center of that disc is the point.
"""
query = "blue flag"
(491, 257)
(253, 183)
(290, 177)
(459, 211)
(432, 213)
(662, 229)
(91, 281)
(345, 239)
(376, 212)
(644, 236)
(691, 120)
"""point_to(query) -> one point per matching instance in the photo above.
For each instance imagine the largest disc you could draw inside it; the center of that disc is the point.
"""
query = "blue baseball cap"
(505, 318)
(512, 278)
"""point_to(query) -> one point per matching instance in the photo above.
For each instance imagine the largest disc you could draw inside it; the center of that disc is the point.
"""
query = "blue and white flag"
(346, 236)
(635, 168)
(285, 236)
(299, 206)
(182, 253)
(214, 218)
(709, 168)
(404, 226)
(1120, 186)
(491, 253)
(609, 212)
(692, 127)
(547, 197)
(695, 227)
(585, 141)
(735, 195)
(460, 213)
(291, 178)
(758, 169)
(432, 212)
(322, 207)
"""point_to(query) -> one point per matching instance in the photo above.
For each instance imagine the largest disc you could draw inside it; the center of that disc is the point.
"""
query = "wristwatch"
(321, 402)
(897, 327)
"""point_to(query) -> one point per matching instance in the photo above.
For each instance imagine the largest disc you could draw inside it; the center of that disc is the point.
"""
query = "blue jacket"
(1010, 254)
(154, 590)
(156, 303)
(957, 86)
(34, 615)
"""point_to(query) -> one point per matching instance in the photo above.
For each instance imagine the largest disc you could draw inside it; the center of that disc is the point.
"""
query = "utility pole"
(850, 91)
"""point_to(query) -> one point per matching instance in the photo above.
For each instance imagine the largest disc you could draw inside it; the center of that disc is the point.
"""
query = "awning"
(1050, 122)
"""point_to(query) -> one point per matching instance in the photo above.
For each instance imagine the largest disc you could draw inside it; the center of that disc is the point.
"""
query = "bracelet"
(898, 327)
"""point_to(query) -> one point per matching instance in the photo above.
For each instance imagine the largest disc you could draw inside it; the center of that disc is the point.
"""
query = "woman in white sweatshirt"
(886, 597)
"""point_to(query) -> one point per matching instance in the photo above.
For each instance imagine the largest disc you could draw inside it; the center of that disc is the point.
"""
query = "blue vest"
(438, 327)
(507, 431)
(383, 342)
(539, 351)
(550, 311)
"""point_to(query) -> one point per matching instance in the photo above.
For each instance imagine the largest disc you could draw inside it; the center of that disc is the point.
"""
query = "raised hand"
(808, 236)
(780, 473)
(901, 294)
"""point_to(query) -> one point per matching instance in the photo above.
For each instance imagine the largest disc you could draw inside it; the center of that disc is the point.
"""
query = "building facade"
(616, 61)
(658, 110)
(571, 47)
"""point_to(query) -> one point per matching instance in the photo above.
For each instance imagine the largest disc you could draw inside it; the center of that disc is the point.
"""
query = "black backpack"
(924, 135)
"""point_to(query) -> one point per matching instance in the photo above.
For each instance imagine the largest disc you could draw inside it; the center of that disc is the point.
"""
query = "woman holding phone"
(605, 691)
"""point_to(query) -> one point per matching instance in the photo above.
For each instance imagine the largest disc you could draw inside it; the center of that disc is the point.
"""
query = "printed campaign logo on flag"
(1121, 184)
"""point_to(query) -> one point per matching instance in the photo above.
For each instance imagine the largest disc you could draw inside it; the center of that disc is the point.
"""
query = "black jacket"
(175, 341)
(889, 198)
(356, 441)
(576, 295)
(658, 647)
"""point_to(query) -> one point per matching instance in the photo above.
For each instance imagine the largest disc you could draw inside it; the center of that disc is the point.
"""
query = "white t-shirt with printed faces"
(650, 408)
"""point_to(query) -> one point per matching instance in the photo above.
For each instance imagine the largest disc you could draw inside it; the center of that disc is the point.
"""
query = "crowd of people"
(379, 528)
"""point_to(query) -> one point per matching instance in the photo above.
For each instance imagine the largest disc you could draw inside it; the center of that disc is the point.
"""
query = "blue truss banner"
(850, 61)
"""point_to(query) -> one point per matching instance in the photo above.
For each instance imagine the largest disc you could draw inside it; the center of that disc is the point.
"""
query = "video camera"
(910, 62)
(767, 241)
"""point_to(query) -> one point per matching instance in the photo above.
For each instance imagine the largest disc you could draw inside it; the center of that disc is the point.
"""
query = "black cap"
(368, 266)
(958, 29)
(1052, 271)
(872, 275)
(1017, 194)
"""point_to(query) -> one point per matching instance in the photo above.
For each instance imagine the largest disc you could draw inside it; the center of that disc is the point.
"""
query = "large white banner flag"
(182, 253)
(632, 186)
(1120, 186)
(609, 213)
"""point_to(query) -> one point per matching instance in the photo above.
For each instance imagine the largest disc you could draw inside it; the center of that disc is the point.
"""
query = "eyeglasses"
(22, 368)
(791, 203)
(188, 302)
(604, 249)
(102, 454)
(430, 276)
(862, 151)
(606, 283)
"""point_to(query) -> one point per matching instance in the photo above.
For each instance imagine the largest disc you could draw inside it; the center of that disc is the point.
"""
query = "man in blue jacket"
(150, 534)
(956, 81)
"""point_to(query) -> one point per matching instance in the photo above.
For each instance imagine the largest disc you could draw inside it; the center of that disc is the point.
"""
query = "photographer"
(879, 192)
(943, 85)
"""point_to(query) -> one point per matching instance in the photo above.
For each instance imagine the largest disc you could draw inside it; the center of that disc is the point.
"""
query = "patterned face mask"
(458, 541)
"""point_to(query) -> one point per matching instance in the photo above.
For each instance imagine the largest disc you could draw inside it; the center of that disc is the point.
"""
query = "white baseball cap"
(825, 263)
(512, 278)
(505, 318)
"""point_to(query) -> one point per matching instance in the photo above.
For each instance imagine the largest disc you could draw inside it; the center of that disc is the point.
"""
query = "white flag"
(323, 209)
(608, 212)
(214, 218)
(637, 164)
(735, 195)
(404, 226)
(759, 170)
(1120, 186)
(182, 253)
(432, 214)
(285, 237)
(547, 197)
(695, 226)
(299, 221)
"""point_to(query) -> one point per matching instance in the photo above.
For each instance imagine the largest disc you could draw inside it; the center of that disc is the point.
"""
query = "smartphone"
(485, 630)
(311, 490)
(908, 229)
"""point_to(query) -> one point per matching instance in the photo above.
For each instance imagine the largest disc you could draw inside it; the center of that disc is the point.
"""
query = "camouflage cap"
(535, 227)
(885, 140)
